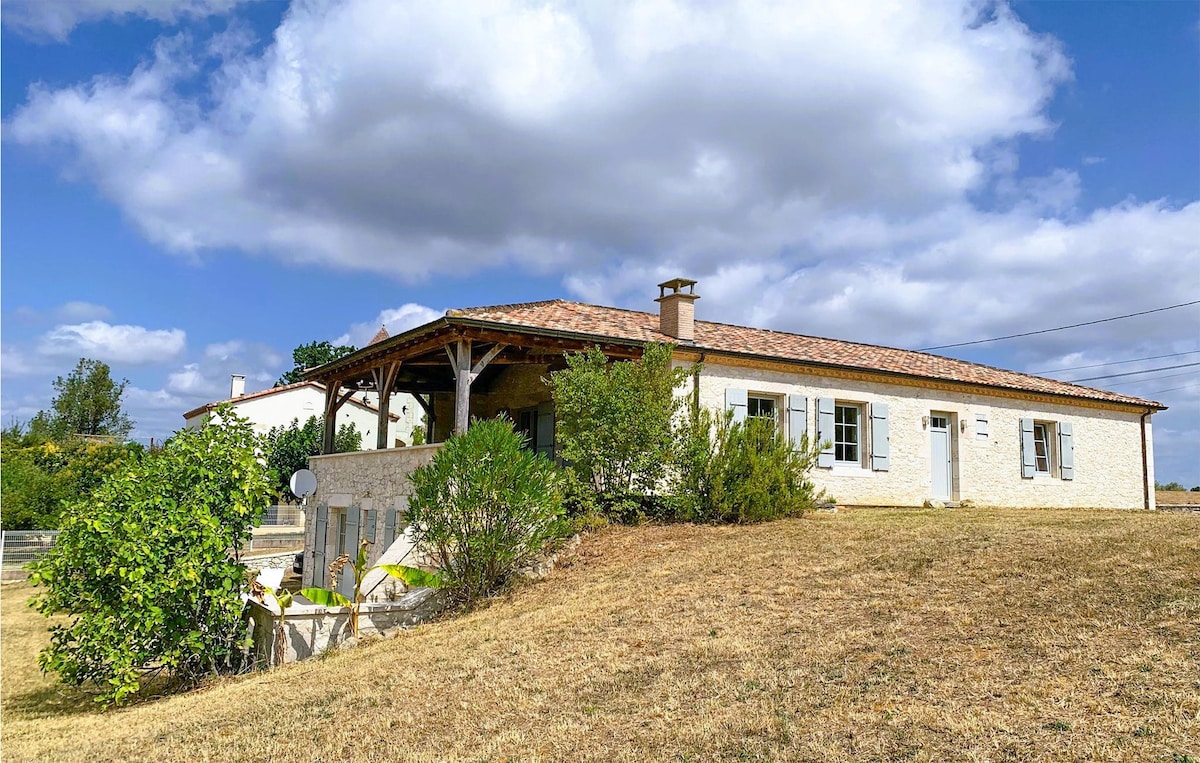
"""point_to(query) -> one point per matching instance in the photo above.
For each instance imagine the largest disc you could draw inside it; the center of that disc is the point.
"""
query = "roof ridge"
(457, 311)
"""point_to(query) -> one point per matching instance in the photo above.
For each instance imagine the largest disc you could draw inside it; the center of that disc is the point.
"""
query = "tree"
(615, 422)
(143, 569)
(88, 403)
(289, 448)
(311, 355)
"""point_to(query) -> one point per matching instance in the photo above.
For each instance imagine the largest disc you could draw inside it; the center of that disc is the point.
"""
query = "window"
(526, 426)
(761, 407)
(1041, 447)
(847, 431)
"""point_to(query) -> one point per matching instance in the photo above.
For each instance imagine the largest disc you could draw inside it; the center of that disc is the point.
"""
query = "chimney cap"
(676, 285)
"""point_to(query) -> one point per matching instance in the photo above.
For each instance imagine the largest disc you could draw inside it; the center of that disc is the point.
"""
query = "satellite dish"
(303, 483)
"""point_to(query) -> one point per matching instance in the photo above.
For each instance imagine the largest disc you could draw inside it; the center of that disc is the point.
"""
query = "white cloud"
(396, 320)
(133, 345)
(56, 18)
(426, 138)
(82, 311)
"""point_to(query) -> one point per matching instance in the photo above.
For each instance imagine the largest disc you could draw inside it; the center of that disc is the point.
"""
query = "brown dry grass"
(865, 635)
(1176, 497)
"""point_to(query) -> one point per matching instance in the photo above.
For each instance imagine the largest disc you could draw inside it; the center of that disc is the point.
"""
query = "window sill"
(846, 470)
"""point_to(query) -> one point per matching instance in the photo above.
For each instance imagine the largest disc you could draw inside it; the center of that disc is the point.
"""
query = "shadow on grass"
(50, 701)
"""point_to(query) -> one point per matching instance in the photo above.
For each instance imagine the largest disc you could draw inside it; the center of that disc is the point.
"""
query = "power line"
(1133, 373)
(1062, 328)
(1151, 379)
(1172, 389)
(1115, 363)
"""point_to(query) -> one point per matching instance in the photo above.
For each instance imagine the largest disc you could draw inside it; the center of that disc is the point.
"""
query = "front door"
(939, 459)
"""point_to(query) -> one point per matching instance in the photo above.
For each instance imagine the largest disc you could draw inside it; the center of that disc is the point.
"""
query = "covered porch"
(459, 368)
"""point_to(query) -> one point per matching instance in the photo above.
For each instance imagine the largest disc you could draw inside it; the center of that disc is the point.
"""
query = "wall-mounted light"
(962, 425)
(924, 422)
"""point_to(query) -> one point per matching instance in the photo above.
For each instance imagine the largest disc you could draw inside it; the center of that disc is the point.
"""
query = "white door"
(939, 457)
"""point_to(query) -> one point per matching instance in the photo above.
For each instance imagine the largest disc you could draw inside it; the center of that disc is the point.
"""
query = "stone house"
(901, 427)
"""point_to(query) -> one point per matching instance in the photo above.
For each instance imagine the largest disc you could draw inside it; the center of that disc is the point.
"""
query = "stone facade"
(986, 468)
(516, 387)
(361, 482)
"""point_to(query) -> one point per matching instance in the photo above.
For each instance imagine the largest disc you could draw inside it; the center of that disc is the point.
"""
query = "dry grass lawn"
(864, 635)
(1176, 498)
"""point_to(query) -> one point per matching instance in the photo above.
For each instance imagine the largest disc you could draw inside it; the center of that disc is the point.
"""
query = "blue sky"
(192, 188)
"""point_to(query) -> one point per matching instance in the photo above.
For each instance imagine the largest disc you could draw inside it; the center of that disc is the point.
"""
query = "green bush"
(742, 471)
(484, 508)
(38, 481)
(614, 430)
(143, 568)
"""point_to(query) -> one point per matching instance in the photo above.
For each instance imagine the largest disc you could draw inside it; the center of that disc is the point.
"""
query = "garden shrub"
(143, 569)
(615, 430)
(485, 507)
(742, 471)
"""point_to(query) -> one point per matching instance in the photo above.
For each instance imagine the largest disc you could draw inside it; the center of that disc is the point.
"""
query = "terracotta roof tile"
(380, 335)
(616, 323)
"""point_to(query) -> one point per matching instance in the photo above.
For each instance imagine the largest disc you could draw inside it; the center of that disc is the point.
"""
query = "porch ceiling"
(425, 366)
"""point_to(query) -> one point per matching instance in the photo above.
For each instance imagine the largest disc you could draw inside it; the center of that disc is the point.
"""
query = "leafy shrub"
(143, 567)
(742, 471)
(484, 508)
(37, 481)
(614, 428)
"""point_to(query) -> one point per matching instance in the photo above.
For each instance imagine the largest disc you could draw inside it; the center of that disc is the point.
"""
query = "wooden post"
(462, 387)
(333, 402)
(385, 379)
(430, 416)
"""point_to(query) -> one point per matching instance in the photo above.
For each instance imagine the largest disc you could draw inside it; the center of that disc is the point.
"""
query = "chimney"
(237, 385)
(676, 310)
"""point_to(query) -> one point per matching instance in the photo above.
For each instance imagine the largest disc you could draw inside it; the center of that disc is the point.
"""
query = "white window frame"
(1048, 452)
(776, 402)
(840, 427)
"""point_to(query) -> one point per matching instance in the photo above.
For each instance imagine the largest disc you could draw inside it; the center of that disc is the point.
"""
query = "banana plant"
(283, 599)
(329, 597)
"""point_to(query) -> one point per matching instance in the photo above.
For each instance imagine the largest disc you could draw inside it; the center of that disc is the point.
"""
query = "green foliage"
(143, 568)
(418, 435)
(88, 402)
(329, 597)
(311, 355)
(615, 426)
(37, 481)
(485, 507)
(744, 471)
(289, 448)
(1170, 487)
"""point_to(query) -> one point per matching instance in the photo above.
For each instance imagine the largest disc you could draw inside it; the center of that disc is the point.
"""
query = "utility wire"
(1061, 328)
(1171, 389)
(1133, 373)
(1115, 363)
(1151, 379)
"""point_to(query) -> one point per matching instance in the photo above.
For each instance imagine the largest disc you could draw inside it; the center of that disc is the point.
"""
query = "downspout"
(696, 386)
(1145, 464)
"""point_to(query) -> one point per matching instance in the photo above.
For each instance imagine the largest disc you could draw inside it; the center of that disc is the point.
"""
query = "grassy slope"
(869, 635)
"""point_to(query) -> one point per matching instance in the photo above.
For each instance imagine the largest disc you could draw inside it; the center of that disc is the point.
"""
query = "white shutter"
(825, 430)
(797, 419)
(1066, 451)
(981, 426)
(1028, 454)
(738, 401)
(879, 437)
(320, 524)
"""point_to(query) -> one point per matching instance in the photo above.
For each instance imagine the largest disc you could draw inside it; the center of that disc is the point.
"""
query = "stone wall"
(516, 387)
(310, 629)
(1107, 453)
(360, 481)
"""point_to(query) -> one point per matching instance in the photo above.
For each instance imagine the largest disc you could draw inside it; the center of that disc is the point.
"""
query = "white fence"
(283, 516)
(24, 546)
